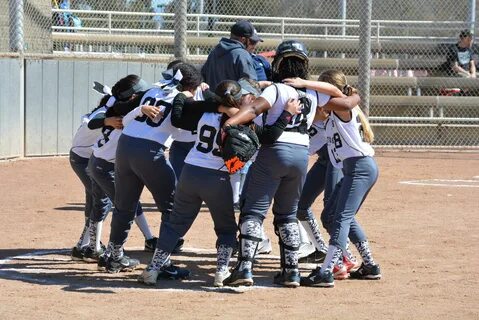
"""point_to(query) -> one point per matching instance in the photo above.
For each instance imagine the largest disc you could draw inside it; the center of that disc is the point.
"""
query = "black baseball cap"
(244, 28)
(465, 33)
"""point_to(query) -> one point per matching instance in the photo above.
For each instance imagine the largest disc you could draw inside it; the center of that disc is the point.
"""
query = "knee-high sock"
(365, 252)
(223, 257)
(249, 240)
(348, 254)
(289, 245)
(312, 229)
(332, 258)
(160, 258)
(85, 236)
(94, 230)
(235, 185)
(115, 251)
(143, 226)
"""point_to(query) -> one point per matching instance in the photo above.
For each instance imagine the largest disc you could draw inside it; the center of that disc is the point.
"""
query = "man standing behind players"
(229, 60)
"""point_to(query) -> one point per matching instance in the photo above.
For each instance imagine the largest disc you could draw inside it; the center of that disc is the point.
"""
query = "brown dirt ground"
(425, 239)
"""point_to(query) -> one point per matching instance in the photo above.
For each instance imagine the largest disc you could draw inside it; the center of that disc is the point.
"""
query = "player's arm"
(346, 103)
(268, 134)
(186, 112)
(122, 108)
(101, 120)
(472, 68)
(319, 86)
(97, 122)
(248, 112)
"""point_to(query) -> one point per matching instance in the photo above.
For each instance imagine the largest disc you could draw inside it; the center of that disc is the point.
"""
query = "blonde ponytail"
(367, 131)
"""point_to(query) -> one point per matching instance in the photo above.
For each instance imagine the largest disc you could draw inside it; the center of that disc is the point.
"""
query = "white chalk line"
(29, 273)
(452, 183)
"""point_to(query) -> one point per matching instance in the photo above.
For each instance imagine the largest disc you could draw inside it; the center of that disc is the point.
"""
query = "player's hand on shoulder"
(293, 106)
(264, 84)
(295, 82)
(151, 111)
(204, 86)
(115, 122)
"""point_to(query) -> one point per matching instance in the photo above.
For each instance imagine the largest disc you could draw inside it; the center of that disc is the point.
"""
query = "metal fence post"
(364, 73)
(16, 25)
(180, 29)
(343, 16)
(472, 15)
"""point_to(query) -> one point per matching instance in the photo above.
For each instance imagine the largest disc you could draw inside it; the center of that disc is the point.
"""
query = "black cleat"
(150, 244)
(125, 263)
(77, 254)
(316, 279)
(289, 279)
(366, 272)
(315, 257)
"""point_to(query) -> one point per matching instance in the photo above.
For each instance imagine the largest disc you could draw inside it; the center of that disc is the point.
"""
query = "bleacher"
(410, 90)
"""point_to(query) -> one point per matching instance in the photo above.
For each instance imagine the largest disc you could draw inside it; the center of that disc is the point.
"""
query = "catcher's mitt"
(239, 144)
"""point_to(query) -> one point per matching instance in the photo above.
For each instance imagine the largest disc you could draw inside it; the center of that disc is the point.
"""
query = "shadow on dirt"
(55, 268)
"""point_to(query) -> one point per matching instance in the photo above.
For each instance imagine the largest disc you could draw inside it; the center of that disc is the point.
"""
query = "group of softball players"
(120, 148)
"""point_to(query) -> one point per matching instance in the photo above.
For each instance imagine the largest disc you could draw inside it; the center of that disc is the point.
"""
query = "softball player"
(280, 167)
(80, 153)
(183, 141)
(322, 176)
(351, 152)
(204, 178)
(102, 168)
(140, 161)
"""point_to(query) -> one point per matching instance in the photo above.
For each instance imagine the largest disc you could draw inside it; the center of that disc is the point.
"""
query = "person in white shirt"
(80, 152)
(102, 166)
(205, 176)
(140, 161)
(349, 136)
(280, 168)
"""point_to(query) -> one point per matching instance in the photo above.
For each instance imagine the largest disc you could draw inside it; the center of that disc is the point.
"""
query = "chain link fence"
(415, 99)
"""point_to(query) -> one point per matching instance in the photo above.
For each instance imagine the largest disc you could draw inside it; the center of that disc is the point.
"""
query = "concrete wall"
(11, 109)
(58, 93)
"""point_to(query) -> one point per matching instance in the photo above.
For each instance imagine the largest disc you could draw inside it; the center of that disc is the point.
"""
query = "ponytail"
(367, 131)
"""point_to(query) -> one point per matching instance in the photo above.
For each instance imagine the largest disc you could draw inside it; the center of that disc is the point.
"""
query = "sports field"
(422, 219)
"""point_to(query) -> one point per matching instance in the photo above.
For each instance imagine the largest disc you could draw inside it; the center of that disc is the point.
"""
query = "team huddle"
(120, 148)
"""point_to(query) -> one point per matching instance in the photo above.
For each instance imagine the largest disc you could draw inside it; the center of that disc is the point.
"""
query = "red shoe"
(340, 273)
(350, 264)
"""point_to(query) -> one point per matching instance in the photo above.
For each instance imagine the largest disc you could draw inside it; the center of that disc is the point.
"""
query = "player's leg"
(102, 185)
(261, 183)
(177, 154)
(360, 174)
(217, 197)
(79, 166)
(295, 166)
(185, 210)
(128, 188)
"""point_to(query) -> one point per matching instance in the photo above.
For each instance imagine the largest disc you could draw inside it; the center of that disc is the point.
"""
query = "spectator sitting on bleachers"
(460, 58)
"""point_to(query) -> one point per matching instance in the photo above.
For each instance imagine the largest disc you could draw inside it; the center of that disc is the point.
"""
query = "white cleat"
(220, 276)
(305, 249)
(149, 277)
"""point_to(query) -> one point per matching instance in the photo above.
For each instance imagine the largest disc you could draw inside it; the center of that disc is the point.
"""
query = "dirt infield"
(422, 219)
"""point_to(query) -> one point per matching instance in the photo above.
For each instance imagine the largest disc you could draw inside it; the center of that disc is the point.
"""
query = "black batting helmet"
(292, 48)
(289, 49)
